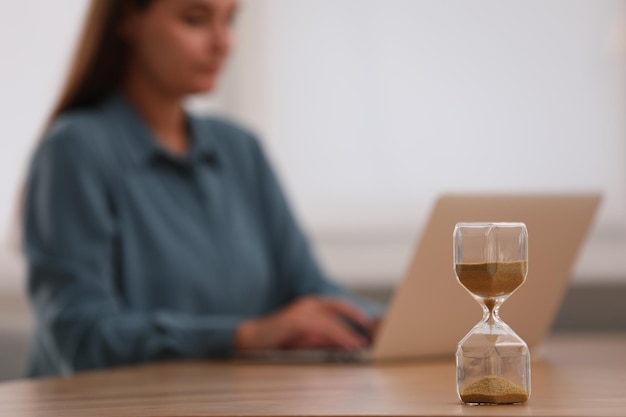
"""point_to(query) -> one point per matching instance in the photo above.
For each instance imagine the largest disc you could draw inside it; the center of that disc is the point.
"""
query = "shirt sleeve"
(297, 267)
(69, 234)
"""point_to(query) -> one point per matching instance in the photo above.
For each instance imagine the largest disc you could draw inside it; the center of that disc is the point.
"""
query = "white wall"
(370, 108)
(36, 38)
(373, 108)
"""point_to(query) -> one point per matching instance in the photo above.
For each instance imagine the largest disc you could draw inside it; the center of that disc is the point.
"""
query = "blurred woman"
(153, 234)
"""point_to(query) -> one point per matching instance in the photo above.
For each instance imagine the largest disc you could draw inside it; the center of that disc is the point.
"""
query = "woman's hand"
(308, 323)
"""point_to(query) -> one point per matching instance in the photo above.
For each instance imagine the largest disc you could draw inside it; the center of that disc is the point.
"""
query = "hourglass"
(492, 362)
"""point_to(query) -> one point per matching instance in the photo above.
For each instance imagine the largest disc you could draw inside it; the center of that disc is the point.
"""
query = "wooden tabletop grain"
(572, 376)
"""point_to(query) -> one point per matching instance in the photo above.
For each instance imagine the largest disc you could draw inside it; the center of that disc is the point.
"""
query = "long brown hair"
(100, 57)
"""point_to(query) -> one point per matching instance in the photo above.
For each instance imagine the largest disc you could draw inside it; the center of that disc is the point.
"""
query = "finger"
(339, 335)
(374, 327)
(310, 342)
(348, 311)
(310, 337)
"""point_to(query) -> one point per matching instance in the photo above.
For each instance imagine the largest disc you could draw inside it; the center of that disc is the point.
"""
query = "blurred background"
(370, 109)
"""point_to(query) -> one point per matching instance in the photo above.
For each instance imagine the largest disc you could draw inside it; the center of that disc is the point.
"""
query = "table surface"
(571, 376)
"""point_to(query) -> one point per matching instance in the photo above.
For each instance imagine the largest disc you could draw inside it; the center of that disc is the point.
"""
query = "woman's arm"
(69, 236)
(317, 311)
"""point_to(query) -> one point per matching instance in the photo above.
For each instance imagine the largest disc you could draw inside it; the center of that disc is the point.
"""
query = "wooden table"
(575, 376)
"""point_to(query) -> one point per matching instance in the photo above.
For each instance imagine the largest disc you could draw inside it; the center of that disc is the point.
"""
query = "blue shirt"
(136, 255)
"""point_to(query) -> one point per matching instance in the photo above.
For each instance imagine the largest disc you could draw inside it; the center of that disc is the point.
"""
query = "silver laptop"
(430, 312)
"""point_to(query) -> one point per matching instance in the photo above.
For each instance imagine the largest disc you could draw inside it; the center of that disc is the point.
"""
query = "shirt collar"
(144, 148)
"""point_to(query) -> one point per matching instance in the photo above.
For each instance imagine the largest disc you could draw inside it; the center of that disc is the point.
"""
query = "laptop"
(430, 311)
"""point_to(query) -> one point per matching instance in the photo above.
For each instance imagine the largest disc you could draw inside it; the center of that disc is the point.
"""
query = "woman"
(151, 234)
